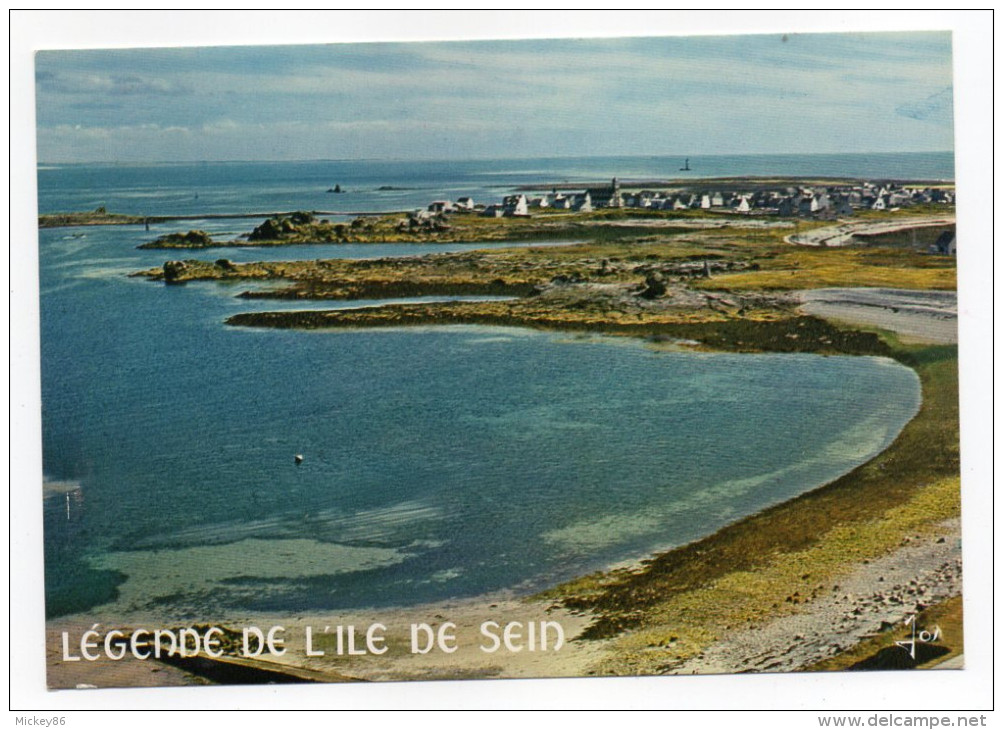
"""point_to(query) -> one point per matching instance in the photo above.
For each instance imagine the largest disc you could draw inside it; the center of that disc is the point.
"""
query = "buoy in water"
(298, 459)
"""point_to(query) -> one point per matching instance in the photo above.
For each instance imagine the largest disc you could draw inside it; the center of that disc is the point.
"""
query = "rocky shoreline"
(874, 597)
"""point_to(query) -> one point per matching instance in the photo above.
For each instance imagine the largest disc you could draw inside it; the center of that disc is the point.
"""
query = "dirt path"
(918, 316)
(843, 234)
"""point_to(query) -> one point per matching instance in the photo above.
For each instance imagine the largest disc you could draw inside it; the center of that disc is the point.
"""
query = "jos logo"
(923, 637)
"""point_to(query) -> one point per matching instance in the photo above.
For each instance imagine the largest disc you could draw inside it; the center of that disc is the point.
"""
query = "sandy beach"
(474, 622)
(916, 316)
(845, 233)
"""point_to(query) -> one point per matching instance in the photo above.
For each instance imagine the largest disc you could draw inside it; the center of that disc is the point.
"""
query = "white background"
(918, 692)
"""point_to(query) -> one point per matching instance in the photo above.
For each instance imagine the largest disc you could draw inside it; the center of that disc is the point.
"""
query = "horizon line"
(691, 156)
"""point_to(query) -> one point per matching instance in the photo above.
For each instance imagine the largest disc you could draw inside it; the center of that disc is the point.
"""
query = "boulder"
(198, 238)
(173, 270)
(192, 239)
(267, 231)
(654, 285)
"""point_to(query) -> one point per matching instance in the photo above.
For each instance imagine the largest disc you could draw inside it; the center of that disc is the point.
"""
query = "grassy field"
(813, 268)
(767, 263)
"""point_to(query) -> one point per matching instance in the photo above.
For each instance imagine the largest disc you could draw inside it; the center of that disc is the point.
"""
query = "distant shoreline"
(738, 183)
(736, 180)
(68, 220)
(675, 156)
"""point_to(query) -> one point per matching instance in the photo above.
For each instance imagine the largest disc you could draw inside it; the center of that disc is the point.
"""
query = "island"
(783, 589)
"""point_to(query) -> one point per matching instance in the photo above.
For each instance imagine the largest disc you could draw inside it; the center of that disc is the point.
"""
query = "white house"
(583, 202)
(561, 202)
(441, 206)
(516, 205)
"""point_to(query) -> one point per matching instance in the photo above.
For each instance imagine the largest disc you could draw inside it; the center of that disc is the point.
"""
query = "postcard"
(541, 358)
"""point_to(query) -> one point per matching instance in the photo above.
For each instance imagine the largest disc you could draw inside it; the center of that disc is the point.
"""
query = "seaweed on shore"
(788, 334)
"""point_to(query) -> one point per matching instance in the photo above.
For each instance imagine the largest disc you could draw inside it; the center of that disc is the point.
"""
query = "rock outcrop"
(192, 239)
(173, 271)
(298, 227)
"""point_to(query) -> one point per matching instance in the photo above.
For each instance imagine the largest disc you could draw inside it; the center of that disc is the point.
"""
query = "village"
(817, 202)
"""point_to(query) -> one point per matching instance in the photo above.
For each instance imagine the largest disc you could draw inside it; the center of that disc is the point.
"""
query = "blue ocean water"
(438, 462)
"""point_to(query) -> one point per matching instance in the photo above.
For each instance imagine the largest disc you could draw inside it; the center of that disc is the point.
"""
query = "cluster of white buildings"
(819, 201)
(791, 201)
(520, 205)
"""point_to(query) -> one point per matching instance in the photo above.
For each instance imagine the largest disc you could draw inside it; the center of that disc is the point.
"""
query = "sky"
(797, 93)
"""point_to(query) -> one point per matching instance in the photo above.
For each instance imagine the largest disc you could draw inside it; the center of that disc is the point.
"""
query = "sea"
(438, 463)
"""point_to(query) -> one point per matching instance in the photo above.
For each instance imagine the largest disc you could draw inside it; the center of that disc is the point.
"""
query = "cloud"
(937, 108)
(113, 84)
(820, 93)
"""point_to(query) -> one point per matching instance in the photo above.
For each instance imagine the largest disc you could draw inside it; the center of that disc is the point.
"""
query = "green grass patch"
(815, 268)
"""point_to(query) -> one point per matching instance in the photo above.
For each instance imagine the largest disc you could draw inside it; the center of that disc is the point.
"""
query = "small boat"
(298, 459)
